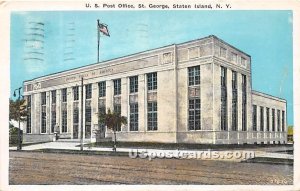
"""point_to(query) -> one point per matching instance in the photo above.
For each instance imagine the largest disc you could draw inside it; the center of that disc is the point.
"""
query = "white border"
(7, 7)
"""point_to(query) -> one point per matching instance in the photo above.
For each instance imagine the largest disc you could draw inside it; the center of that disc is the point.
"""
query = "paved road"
(52, 168)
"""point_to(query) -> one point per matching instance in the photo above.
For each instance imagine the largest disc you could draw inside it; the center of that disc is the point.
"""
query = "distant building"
(194, 92)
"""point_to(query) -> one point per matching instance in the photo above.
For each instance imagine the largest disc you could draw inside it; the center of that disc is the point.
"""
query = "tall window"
(102, 89)
(64, 95)
(53, 96)
(134, 117)
(28, 121)
(53, 120)
(134, 84)
(234, 101)
(194, 114)
(75, 120)
(278, 120)
(43, 114)
(88, 120)
(117, 87)
(268, 118)
(254, 117)
(53, 110)
(117, 109)
(273, 119)
(244, 102)
(43, 98)
(88, 91)
(262, 118)
(101, 110)
(76, 93)
(283, 121)
(152, 116)
(64, 114)
(194, 75)
(64, 122)
(223, 99)
(152, 81)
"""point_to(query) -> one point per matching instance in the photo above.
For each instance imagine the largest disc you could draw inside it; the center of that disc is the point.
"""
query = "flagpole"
(98, 23)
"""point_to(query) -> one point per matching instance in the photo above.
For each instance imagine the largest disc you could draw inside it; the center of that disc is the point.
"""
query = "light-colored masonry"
(195, 92)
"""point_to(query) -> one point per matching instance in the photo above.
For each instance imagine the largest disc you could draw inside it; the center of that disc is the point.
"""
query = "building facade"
(194, 92)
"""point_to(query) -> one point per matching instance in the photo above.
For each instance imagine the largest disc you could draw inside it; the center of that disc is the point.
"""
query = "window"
(53, 120)
(88, 114)
(53, 96)
(88, 119)
(75, 120)
(243, 61)
(234, 101)
(43, 119)
(254, 117)
(268, 118)
(234, 80)
(134, 117)
(75, 115)
(194, 75)
(278, 120)
(194, 114)
(102, 110)
(223, 52)
(88, 91)
(43, 98)
(76, 93)
(117, 87)
(64, 95)
(273, 119)
(152, 81)
(28, 121)
(133, 81)
(43, 114)
(234, 57)
(102, 89)
(262, 118)
(223, 99)
(64, 121)
(152, 116)
(244, 102)
(283, 121)
(117, 109)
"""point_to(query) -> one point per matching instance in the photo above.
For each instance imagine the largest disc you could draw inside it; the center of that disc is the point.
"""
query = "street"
(51, 168)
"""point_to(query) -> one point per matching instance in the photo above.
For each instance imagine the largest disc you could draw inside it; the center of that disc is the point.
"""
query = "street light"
(19, 110)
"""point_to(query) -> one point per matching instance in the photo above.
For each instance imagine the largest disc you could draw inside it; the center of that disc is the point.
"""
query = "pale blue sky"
(71, 41)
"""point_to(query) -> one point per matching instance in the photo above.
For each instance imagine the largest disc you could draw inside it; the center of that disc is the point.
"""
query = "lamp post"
(19, 113)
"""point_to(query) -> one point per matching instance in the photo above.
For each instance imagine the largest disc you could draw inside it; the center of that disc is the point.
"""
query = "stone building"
(194, 92)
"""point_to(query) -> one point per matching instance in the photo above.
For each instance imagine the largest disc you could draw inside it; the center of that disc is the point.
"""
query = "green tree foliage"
(14, 110)
(290, 130)
(112, 120)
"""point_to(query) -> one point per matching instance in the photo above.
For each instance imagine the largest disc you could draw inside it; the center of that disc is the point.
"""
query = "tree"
(14, 107)
(112, 120)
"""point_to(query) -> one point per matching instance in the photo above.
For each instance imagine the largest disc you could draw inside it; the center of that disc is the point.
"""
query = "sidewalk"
(258, 153)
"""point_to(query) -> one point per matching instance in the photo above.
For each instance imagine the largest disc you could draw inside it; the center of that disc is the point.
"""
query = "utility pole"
(81, 113)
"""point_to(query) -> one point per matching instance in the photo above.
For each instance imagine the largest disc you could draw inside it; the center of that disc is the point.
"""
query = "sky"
(68, 39)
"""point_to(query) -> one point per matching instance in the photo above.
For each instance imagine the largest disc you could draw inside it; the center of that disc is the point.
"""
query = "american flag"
(103, 29)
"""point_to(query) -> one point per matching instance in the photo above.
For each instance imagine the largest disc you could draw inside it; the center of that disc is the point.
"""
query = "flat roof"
(268, 96)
